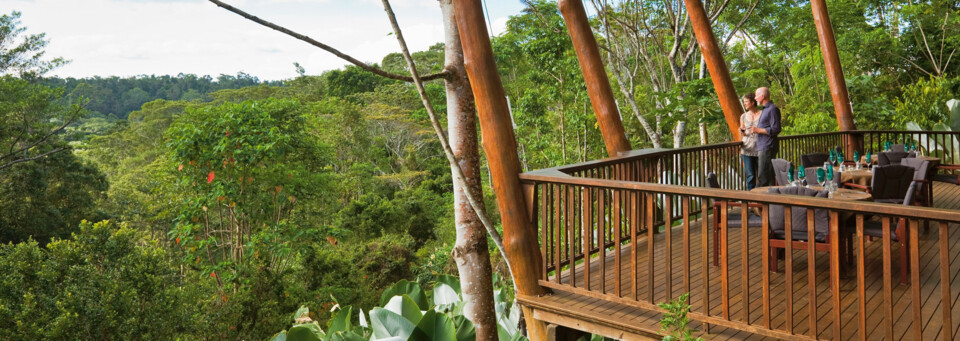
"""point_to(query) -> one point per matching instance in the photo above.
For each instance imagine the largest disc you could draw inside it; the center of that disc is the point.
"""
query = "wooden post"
(831, 62)
(726, 93)
(595, 76)
(499, 143)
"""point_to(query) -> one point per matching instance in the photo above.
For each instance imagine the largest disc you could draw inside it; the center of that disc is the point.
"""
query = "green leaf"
(303, 332)
(465, 329)
(341, 321)
(954, 106)
(404, 287)
(386, 324)
(282, 336)
(445, 296)
(434, 326)
(404, 306)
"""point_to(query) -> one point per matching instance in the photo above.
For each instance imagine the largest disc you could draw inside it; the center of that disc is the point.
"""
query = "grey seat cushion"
(798, 214)
(890, 158)
(891, 182)
(780, 169)
(735, 220)
(801, 236)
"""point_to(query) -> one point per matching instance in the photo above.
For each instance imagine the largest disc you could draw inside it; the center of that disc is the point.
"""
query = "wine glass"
(821, 176)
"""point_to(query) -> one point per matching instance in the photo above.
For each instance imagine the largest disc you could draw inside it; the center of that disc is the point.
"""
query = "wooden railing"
(614, 210)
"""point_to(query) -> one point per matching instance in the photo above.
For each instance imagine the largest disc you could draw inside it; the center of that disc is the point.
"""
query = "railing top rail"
(917, 212)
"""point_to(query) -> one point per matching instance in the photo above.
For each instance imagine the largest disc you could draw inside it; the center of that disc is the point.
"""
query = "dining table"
(845, 194)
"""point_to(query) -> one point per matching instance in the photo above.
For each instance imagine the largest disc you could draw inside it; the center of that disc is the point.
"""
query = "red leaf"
(210, 177)
(180, 168)
(178, 240)
(213, 274)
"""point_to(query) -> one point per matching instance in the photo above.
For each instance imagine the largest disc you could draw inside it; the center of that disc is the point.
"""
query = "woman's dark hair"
(751, 96)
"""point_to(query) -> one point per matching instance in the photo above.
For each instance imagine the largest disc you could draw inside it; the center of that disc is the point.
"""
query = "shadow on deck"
(622, 321)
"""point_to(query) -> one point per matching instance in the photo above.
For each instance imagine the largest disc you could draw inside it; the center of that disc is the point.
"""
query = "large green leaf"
(404, 306)
(452, 281)
(404, 287)
(444, 297)
(465, 329)
(341, 321)
(387, 324)
(954, 106)
(304, 332)
(434, 326)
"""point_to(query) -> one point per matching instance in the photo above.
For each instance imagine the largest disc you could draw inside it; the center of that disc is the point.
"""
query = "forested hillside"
(215, 207)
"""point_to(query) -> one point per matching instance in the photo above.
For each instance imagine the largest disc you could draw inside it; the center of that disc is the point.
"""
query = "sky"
(167, 37)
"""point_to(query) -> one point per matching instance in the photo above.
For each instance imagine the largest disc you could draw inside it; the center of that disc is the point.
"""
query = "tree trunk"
(470, 251)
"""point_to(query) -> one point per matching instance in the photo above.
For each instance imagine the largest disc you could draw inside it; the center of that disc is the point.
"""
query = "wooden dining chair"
(922, 177)
(780, 169)
(798, 221)
(890, 158)
(899, 234)
(734, 219)
(889, 183)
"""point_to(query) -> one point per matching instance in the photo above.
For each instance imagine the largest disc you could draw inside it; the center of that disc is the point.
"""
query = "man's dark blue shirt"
(769, 120)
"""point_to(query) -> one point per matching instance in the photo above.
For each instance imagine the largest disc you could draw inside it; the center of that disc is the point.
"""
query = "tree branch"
(14, 162)
(325, 47)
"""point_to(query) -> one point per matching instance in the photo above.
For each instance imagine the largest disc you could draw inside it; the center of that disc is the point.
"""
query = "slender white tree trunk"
(470, 251)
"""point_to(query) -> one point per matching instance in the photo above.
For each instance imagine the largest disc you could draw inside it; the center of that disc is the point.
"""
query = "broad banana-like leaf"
(434, 326)
(452, 281)
(954, 106)
(465, 329)
(345, 336)
(404, 306)
(388, 325)
(282, 336)
(341, 321)
(404, 287)
(444, 296)
(363, 320)
(304, 332)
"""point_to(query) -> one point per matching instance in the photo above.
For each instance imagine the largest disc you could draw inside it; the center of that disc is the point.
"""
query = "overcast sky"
(144, 37)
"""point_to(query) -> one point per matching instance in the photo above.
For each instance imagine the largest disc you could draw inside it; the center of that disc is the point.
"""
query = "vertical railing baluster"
(946, 300)
(556, 232)
(602, 237)
(705, 258)
(587, 217)
(685, 213)
(861, 280)
(834, 237)
(634, 232)
(788, 265)
(571, 227)
(651, 274)
(668, 247)
(887, 284)
(913, 237)
(812, 273)
(765, 258)
(724, 263)
(745, 261)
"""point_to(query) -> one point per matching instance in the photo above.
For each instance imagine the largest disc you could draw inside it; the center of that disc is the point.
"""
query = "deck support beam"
(838, 85)
(595, 76)
(831, 62)
(500, 146)
(726, 93)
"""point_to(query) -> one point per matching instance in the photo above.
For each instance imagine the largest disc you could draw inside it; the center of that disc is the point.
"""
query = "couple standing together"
(760, 126)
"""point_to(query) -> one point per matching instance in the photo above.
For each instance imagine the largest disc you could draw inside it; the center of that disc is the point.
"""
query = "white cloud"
(132, 37)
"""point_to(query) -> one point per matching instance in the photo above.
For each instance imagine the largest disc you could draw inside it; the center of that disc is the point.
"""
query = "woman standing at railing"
(748, 152)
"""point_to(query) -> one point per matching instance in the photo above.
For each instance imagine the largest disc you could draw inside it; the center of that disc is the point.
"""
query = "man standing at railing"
(767, 131)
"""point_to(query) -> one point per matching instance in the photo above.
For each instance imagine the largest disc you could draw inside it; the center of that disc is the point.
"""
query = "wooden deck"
(579, 310)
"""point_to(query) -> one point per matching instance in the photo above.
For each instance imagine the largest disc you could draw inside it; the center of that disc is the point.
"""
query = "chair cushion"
(780, 168)
(890, 158)
(798, 214)
(891, 182)
(874, 228)
(921, 167)
(734, 220)
(800, 236)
